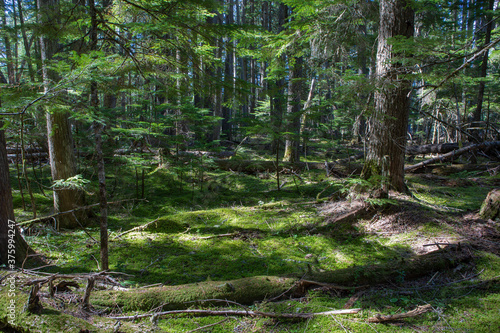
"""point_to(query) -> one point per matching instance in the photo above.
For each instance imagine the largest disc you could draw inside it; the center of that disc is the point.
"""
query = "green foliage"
(75, 183)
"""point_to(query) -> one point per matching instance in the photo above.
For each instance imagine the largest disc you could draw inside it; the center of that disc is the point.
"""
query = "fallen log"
(452, 154)
(249, 290)
(441, 148)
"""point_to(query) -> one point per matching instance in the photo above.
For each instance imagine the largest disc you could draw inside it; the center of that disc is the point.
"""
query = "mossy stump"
(490, 209)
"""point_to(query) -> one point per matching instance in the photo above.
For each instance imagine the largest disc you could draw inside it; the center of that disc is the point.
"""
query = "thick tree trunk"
(390, 119)
(60, 139)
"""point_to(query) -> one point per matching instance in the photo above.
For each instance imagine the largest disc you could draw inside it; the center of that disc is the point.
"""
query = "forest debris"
(378, 318)
(139, 228)
(63, 286)
(50, 217)
(490, 209)
(353, 299)
(452, 154)
(88, 289)
(33, 305)
(240, 313)
(216, 236)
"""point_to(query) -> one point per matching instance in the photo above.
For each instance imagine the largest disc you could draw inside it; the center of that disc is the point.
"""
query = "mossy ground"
(275, 233)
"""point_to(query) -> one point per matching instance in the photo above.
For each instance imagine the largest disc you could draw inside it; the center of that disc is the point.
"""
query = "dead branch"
(216, 236)
(452, 154)
(43, 218)
(240, 313)
(139, 228)
(378, 318)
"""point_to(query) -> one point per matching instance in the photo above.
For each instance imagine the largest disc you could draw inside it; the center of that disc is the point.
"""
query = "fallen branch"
(25, 223)
(139, 228)
(413, 313)
(216, 236)
(240, 313)
(452, 154)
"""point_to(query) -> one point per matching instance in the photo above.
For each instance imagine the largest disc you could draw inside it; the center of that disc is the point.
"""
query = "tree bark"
(477, 115)
(60, 138)
(9, 232)
(98, 129)
(295, 87)
(390, 119)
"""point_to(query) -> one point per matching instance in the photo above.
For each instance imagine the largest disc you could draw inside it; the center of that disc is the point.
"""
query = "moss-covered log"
(398, 270)
(243, 291)
(258, 288)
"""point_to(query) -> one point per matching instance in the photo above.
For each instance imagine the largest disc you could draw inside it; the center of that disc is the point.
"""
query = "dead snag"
(33, 305)
(86, 296)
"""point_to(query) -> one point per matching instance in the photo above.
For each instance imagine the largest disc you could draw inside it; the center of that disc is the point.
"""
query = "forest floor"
(210, 232)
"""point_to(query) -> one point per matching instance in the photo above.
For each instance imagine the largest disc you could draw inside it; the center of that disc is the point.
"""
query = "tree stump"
(490, 209)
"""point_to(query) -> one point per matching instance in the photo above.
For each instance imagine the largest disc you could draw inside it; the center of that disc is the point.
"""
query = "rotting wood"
(452, 154)
(33, 305)
(240, 313)
(490, 209)
(258, 288)
(88, 290)
(413, 313)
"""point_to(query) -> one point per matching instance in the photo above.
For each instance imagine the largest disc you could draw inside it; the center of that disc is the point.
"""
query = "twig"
(139, 228)
(240, 313)
(413, 313)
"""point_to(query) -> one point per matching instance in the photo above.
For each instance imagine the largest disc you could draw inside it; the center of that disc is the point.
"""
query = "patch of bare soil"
(429, 229)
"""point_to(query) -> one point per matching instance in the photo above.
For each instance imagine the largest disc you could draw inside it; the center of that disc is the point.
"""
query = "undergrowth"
(215, 225)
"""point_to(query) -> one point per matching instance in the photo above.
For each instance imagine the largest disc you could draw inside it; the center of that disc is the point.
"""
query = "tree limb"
(240, 313)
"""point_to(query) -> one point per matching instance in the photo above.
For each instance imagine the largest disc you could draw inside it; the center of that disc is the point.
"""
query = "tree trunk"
(60, 139)
(390, 119)
(294, 111)
(9, 232)
(477, 115)
(7, 47)
(98, 128)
